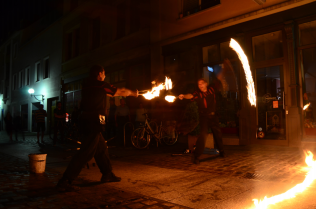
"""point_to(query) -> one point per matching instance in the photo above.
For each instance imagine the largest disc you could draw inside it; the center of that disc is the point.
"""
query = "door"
(270, 105)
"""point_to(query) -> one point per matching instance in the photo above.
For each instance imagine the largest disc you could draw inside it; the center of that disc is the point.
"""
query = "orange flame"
(306, 106)
(244, 60)
(168, 83)
(291, 193)
(170, 98)
(154, 92)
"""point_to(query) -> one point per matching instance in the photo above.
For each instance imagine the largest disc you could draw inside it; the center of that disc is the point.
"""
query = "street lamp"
(31, 92)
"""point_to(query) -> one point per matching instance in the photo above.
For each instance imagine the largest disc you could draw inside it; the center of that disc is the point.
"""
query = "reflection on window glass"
(309, 90)
(226, 51)
(267, 46)
(307, 33)
(210, 54)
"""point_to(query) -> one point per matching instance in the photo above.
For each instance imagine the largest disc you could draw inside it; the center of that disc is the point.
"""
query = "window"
(193, 6)
(69, 46)
(96, 33)
(210, 54)
(21, 79)
(46, 68)
(76, 42)
(14, 82)
(37, 71)
(121, 21)
(72, 44)
(134, 17)
(27, 76)
(15, 50)
(267, 46)
(307, 33)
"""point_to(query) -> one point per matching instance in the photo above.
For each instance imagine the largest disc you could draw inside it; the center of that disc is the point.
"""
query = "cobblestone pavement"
(20, 189)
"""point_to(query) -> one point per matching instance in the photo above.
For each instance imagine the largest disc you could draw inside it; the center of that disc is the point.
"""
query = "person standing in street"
(140, 115)
(122, 116)
(17, 123)
(60, 118)
(8, 120)
(205, 97)
(40, 115)
(92, 123)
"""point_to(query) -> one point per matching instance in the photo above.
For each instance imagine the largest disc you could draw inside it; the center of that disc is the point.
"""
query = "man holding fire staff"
(205, 97)
(91, 124)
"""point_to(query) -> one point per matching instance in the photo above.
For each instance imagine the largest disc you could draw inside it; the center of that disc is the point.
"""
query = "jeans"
(206, 122)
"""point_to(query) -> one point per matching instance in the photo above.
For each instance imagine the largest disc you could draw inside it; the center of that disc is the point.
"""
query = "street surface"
(154, 178)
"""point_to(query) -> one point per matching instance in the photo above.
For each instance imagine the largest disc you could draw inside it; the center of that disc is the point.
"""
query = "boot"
(110, 177)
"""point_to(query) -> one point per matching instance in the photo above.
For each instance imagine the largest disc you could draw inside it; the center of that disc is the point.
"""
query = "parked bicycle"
(142, 136)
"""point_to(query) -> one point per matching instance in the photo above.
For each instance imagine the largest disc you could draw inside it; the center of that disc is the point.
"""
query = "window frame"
(21, 82)
(14, 82)
(27, 76)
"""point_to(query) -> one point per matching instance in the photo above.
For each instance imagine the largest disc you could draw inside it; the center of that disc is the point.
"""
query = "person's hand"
(181, 96)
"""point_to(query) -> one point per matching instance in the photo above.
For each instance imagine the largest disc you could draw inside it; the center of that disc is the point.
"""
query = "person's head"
(59, 105)
(97, 72)
(122, 101)
(202, 84)
(111, 102)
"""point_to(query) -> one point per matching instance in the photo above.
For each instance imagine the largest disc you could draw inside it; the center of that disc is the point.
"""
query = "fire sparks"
(154, 92)
(168, 83)
(291, 193)
(244, 60)
(306, 106)
(170, 98)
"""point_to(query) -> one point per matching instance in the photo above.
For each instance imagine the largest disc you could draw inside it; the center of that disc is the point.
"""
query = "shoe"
(64, 186)
(110, 178)
(195, 160)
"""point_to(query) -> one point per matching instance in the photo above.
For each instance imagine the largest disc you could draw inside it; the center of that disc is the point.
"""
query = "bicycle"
(141, 136)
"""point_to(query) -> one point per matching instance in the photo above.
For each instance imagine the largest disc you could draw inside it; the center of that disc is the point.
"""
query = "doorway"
(51, 106)
(35, 107)
(270, 103)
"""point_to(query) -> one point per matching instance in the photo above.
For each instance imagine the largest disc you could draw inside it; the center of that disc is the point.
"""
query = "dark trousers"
(207, 122)
(93, 145)
(59, 126)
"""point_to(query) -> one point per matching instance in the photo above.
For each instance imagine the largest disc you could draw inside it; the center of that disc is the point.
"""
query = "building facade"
(190, 40)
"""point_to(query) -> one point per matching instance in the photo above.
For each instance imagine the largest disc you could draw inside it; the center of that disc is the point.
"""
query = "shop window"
(307, 33)
(267, 46)
(210, 54)
(193, 6)
(309, 90)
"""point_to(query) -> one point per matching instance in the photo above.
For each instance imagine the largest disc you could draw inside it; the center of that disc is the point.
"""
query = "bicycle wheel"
(168, 139)
(140, 138)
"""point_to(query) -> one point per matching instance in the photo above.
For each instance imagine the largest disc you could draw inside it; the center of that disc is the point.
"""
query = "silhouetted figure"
(91, 124)
(122, 116)
(8, 120)
(40, 115)
(17, 123)
(60, 116)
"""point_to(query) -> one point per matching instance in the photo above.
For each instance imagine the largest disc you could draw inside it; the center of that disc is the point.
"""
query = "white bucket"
(37, 163)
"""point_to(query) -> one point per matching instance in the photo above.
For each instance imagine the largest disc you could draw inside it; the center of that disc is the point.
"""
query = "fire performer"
(205, 97)
(91, 123)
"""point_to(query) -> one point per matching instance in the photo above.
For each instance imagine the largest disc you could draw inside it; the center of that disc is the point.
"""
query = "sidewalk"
(155, 175)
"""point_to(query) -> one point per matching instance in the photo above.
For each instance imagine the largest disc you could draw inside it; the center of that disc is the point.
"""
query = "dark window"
(27, 76)
(38, 73)
(69, 46)
(121, 21)
(193, 6)
(209, 3)
(135, 18)
(14, 83)
(21, 79)
(73, 4)
(46, 68)
(96, 33)
(77, 42)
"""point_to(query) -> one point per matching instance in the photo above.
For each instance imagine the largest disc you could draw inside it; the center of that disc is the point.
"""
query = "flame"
(306, 106)
(170, 98)
(291, 193)
(154, 92)
(168, 83)
(244, 60)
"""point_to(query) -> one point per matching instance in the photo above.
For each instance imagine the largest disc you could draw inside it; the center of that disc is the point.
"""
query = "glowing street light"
(31, 92)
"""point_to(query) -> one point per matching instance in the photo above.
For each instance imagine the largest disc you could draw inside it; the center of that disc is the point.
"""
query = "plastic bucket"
(37, 163)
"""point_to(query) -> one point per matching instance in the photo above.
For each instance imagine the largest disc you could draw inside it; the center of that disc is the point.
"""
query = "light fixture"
(31, 92)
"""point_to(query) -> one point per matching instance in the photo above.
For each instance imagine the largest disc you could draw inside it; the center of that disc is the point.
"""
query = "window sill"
(199, 12)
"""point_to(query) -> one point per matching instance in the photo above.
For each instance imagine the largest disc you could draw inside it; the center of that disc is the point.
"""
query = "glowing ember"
(154, 92)
(306, 106)
(168, 83)
(170, 98)
(291, 193)
(244, 60)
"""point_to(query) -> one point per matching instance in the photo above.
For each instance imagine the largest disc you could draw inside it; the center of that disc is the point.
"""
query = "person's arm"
(185, 96)
(125, 92)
